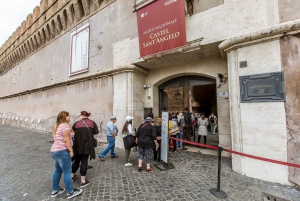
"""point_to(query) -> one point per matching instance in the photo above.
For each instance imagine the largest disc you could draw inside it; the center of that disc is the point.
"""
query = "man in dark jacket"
(145, 135)
(187, 123)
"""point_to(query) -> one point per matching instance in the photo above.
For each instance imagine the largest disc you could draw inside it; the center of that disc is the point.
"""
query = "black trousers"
(187, 133)
(199, 137)
(83, 159)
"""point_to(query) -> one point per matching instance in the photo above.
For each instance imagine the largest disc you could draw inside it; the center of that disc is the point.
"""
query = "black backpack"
(211, 119)
(188, 118)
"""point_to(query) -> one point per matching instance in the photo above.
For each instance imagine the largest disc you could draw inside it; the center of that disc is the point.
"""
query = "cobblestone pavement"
(26, 170)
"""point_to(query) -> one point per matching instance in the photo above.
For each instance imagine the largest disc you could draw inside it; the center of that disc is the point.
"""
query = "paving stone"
(26, 169)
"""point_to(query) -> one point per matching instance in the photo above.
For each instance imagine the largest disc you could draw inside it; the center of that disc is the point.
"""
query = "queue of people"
(74, 146)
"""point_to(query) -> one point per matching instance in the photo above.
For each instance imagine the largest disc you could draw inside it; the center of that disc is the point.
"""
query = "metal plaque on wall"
(266, 87)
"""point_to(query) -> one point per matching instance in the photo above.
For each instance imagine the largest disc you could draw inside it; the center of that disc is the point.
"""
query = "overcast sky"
(12, 14)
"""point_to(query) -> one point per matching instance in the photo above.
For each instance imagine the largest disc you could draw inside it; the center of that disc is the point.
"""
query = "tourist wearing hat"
(111, 132)
(145, 136)
(127, 130)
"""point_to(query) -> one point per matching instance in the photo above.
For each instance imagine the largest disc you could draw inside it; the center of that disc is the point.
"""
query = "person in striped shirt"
(62, 152)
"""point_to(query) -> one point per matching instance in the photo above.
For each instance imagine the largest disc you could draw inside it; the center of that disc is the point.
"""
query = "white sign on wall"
(223, 94)
(79, 50)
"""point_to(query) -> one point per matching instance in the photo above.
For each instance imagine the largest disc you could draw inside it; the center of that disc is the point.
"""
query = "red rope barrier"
(174, 132)
(239, 153)
(263, 159)
(195, 143)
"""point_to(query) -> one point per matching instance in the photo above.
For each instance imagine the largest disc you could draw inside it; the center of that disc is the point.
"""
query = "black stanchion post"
(217, 191)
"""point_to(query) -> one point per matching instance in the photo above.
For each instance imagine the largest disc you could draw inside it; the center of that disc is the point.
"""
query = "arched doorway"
(198, 93)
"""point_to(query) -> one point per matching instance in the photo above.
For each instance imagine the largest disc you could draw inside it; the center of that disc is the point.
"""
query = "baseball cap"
(149, 119)
(113, 117)
(129, 118)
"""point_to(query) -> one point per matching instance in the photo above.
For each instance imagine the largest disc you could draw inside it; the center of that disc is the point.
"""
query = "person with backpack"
(213, 123)
(187, 123)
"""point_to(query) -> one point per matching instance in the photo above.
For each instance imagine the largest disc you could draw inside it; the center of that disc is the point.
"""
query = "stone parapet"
(47, 22)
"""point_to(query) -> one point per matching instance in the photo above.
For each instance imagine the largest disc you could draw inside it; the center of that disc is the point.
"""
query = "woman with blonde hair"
(62, 152)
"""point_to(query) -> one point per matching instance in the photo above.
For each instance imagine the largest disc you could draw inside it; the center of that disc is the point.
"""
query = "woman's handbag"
(95, 142)
(129, 141)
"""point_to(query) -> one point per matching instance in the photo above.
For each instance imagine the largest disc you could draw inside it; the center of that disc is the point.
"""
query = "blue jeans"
(111, 147)
(213, 128)
(62, 164)
(180, 136)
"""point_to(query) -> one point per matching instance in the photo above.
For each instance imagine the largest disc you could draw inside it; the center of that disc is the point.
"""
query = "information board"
(79, 50)
(164, 137)
(266, 87)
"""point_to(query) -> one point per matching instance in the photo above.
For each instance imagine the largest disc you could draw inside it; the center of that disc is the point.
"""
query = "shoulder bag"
(94, 140)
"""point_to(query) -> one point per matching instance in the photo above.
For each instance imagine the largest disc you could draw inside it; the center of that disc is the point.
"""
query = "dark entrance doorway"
(198, 93)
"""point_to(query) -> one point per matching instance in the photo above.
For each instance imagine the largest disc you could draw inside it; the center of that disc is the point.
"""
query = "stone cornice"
(141, 3)
(264, 35)
(191, 46)
(105, 73)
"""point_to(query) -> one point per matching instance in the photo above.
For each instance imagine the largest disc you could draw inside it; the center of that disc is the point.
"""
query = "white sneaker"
(128, 164)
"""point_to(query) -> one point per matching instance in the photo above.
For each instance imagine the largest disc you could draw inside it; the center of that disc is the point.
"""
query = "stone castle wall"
(48, 21)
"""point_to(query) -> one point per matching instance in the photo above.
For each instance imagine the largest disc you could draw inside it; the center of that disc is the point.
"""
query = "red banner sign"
(161, 26)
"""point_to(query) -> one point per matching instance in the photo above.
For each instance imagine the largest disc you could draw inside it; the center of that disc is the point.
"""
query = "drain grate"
(268, 197)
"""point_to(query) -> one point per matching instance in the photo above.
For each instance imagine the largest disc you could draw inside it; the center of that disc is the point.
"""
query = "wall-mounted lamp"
(177, 95)
(145, 86)
(223, 79)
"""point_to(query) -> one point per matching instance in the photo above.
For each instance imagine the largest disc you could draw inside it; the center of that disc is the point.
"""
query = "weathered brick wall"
(290, 56)
(174, 104)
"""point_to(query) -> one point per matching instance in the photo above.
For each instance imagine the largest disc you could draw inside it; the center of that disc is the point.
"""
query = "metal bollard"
(217, 191)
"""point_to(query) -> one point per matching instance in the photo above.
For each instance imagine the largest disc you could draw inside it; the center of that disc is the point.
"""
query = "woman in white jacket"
(202, 122)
